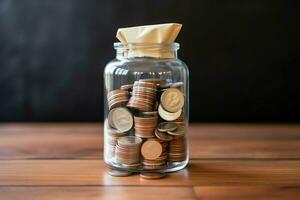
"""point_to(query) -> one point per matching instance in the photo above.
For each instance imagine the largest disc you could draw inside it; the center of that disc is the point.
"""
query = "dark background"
(243, 56)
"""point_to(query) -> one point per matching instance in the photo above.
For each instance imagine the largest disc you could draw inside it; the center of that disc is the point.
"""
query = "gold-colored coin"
(172, 100)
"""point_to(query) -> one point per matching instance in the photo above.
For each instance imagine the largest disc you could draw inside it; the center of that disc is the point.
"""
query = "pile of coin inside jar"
(145, 127)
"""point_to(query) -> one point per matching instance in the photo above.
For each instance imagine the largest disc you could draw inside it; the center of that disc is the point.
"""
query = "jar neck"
(152, 50)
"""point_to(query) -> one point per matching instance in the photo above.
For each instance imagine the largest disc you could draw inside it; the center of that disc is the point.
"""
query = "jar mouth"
(174, 46)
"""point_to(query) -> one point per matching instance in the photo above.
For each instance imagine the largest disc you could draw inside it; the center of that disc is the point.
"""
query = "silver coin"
(177, 84)
(166, 126)
(167, 115)
(180, 131)
(119, 173)
(120, 119)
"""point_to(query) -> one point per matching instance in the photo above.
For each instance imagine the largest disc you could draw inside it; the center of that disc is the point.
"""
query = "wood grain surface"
(228, 161)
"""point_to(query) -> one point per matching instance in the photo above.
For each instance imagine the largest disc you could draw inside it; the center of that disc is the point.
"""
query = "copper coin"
(151, 149)
(148, 175)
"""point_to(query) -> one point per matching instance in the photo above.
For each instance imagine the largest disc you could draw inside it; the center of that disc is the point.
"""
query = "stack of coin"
(111, 137)
(143, 96)
(128, 150)
(155, 154)
(144, 125)
(126, 87)
(165, 85)
(110, 142)
(117, 98)
(177, 149)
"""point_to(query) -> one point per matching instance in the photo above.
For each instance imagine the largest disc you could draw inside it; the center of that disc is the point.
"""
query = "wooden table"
(228, 161)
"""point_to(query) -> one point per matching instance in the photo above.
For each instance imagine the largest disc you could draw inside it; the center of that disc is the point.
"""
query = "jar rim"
(144, 45)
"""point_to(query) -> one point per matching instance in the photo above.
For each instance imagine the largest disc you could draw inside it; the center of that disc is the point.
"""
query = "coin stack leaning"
(117, 98)
(128, 150)
(177, 149)
(177, 146)
(154, 154)
(111, 137)
(144, 125)
(143, 96)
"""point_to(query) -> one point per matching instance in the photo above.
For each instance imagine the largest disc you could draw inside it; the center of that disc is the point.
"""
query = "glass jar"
(146, 108)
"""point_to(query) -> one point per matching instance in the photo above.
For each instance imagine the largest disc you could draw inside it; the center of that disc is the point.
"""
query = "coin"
(112, 131)
(166, 126)
(131, 166)
(159, 162)
(119, 173)
(167, 115)
(163, 136)
(151, 149)
(117, 98)
(172, 100)
(143, 95)
(177, 84)
(127, 151)
(179, 131)
(177, 149)
(129, 141)
(145, 125)
(126, 87)
(148, 175)
(121, 119)
(149, 113)
(166, 85)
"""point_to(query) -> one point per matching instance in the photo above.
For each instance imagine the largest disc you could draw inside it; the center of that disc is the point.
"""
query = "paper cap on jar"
(150, 34)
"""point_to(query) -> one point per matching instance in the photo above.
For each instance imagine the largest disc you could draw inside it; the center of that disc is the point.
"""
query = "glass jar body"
(144, 99)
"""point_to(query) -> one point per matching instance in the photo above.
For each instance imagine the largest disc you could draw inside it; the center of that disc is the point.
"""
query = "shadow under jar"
(146, 108)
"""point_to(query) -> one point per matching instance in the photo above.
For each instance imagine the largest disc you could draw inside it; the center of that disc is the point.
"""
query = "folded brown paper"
(151, 34)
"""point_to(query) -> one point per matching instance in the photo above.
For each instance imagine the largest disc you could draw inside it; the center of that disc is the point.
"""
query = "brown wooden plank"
(51, 141)
(247, 193)
(200, 172)
(96, 193)
(85, 141)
